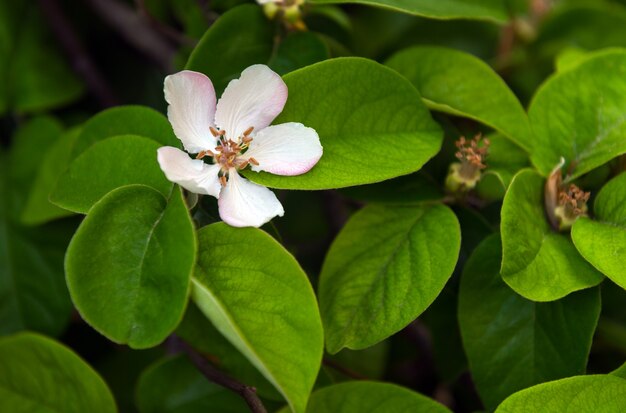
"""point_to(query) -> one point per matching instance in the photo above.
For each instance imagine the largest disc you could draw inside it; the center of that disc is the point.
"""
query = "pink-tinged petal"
(192, 174)
(245, 204)
(253, 100)
(285, 149)
(191, 109)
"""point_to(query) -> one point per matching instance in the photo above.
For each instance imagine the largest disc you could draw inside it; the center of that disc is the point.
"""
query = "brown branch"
(210, 372)
(80, 60)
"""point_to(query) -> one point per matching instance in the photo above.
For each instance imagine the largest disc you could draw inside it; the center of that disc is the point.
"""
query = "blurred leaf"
(298, 50)
(513, 343)
(608, 230)
(370, 362)
(579, 114)
(412, 189)
(371, 290)
(580, 394)
(460, 84)
(107, 165)
(370, 397)
(620, 372)
(492, 10)
(174, 385)
(258, 297)
(240, 38)
(538, 263)
(358, 107)
(38, 374)
(570, 58)
(129, 263)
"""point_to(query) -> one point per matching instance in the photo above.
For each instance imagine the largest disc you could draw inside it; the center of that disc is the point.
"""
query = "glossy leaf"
(370, 290)
(358, 107)
(513, 343)
(129, 263)
(579, 114)
(538, 263)
(240, 38)
(370, 397)
(460, 84)
(107, 165)
(492, 10)
(174, 385)
(607, 230)
(38, 374)
(580, 394)
(258, 297)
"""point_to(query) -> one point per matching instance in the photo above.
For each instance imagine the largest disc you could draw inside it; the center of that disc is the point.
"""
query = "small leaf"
(608, 230)
(359, 108)
(460, 84)
(371, 290)
(538, 263)
(240, 38)
(106, 165)
(258, 297)
(580, 394)
(513, 343)
(129, 263)
(174, 385)
(370, 397)
(38, 374)
(491, 10)
(579, 114)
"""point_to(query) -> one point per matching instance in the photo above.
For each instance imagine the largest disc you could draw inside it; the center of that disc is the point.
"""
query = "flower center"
(228, 153)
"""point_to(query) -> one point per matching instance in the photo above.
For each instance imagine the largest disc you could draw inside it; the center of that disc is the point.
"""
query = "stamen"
(201, 155)
(253, 161)
(214, 131)
(246, 140)
(223, 180)
(248, 131)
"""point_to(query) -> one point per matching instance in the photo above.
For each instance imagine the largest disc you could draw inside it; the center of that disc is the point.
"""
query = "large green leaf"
(370, 397)
(580, 394)
(370, 290)
(370, 120)
(513, 343)
(129, 263)
(240, 38)
(259, 298)
(538, 263)
(40, 375)
(460, 84)
(174, 385)
(492, 10)
(106, 165)
(602, 241)
(579, 114)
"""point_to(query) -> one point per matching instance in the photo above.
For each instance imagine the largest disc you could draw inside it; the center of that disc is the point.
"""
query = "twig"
(136, 31)
(82, 64)
(164, 29)
(343, 370)
(248, 393)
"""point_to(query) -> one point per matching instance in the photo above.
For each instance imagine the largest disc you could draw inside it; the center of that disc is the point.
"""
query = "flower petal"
(192, 174)
(255, 99)
(285, 149)
(245, 204)
(191, 109)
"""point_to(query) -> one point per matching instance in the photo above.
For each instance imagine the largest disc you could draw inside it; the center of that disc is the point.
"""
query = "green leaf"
(579, 114)
(258, 297)
(460, 84)
(129, 263)
(298, 50)
(608, 230)
(40, 375)
(408, 189)
(358, 107)
(174, 385)
(491, 10)
(538, 263)
(580, 394)
(371, 290)
(513, 343)
(620, 371)
(125, 120)
(240, 38)
(370, 397)
(106, 165)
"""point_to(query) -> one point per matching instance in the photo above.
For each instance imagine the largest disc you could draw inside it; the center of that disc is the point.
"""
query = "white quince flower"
(235, 133)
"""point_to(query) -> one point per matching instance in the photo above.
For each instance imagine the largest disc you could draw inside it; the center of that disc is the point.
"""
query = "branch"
(248, 393)
(162, 28)
(343, 370)
(81, 62)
